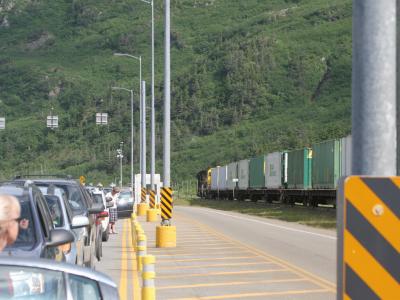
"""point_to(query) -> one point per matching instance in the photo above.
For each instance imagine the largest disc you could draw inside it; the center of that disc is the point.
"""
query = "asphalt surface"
(224, 255)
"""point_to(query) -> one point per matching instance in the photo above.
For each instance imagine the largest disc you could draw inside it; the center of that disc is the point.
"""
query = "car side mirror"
(96, 208)
(79, 221)
(60, 237)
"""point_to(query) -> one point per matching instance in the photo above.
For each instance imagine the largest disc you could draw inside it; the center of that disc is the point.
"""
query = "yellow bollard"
(151, 215)
(141, 251)
(142, 208)
(165, 236)
(133, 233)
(148, 276)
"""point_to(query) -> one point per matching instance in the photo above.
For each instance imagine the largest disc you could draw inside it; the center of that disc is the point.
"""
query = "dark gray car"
(81, 204)
(37, 237)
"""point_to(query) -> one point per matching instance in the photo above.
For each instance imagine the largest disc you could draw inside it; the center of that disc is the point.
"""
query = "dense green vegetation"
(248, 77)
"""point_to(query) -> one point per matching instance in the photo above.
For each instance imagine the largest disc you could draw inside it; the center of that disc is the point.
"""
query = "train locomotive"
(309, 175)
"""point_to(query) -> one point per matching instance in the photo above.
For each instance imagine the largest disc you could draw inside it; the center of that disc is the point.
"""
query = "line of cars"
(65, 224)
(309, 175)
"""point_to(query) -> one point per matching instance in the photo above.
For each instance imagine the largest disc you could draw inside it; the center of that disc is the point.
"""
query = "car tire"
(105, 235)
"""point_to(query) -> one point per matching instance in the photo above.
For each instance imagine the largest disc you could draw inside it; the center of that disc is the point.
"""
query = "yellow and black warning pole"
(152, 211)
(142, 206)
(166, 233)
(368, 238)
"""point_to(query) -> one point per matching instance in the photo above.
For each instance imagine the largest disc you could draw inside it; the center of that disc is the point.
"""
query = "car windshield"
(68, 192)
(97, 198)
(31, 283)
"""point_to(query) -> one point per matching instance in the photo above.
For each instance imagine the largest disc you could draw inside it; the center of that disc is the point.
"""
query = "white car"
(99, 197)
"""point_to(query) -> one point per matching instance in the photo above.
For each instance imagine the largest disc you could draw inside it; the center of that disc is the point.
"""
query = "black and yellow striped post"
(142, 206)
(369, 238)
(166, 234)
(143, 195)
(166, 203)
(152, 211)
(152, 196)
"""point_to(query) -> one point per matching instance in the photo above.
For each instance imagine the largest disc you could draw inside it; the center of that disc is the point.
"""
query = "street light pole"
(153, 130)
(132, 132)
(143, 135)
(138, 58)
(374, 88)
(167, 96)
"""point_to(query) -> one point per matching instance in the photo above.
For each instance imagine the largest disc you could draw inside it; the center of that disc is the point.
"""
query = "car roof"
(57, 266)
(50, 180)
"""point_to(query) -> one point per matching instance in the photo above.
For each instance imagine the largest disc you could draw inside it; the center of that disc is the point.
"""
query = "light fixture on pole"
(101, 118)
(138, 58)
(153, 130)
(52, 121)
(132, 131)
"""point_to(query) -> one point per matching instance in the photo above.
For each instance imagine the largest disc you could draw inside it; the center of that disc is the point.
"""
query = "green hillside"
(249, 77)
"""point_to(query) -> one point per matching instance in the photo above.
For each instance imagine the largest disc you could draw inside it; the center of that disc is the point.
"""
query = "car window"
(53, 202)
(26, 234)
(98, 198)
(70, 194)
(83, 288)
(87, 196)
(31, 283)
(62, 196)
(43, 222)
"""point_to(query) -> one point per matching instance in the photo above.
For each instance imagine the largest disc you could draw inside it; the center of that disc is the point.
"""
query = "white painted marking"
(274, 225)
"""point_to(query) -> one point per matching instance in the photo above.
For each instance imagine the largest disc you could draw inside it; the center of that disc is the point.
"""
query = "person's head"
(115, 190)
(9, 214)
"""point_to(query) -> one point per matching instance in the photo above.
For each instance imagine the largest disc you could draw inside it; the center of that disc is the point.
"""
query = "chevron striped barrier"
(143, 195)
(152, 195)
(369, 238)
(166, 203)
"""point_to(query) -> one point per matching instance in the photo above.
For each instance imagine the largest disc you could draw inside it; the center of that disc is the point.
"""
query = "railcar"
(309, 175)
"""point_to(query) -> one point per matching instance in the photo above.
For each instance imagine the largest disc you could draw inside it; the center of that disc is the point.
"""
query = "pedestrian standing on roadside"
(113, 212)
(10, 211)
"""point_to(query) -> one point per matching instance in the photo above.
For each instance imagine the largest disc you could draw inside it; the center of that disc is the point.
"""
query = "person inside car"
(9, 220)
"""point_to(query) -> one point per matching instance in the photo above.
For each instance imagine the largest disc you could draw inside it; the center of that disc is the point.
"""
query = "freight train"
(309, 175)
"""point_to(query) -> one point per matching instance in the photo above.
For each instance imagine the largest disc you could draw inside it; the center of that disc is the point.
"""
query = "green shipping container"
(299, 169)
(326, 164)
(257, 172)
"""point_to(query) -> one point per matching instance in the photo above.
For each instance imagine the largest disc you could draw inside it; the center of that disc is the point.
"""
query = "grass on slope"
(320, 217)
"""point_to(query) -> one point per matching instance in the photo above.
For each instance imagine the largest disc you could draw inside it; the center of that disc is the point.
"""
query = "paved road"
(224, 255)
(313, 250)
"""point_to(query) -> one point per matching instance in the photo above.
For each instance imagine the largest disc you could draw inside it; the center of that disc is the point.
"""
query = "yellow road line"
(232, 283)
(266, 294)
(297, 270)
(206, 259)
(222, 273)
(215, 265)
(135, 276)
(124, 266)
(204, 253)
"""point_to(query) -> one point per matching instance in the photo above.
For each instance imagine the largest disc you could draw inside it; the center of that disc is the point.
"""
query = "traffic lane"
(312, 250)
(119, 261)
(205, 265)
